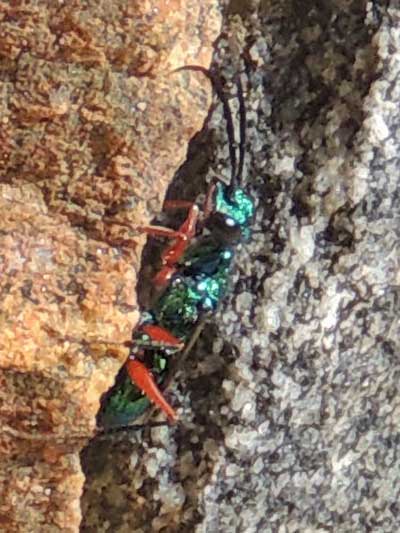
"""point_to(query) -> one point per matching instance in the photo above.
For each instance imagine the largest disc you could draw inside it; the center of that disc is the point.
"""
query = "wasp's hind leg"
(142, 377)
(151, 337)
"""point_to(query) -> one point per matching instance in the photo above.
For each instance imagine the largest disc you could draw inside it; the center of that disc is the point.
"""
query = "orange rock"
(93, 127)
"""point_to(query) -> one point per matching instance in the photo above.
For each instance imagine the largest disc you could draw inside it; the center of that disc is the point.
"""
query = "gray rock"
(290, 404)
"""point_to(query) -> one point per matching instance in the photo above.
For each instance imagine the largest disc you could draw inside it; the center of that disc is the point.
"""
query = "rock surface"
(290, 403)
(93, 125)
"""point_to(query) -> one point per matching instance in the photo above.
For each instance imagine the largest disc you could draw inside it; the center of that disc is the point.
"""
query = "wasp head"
(232, 215)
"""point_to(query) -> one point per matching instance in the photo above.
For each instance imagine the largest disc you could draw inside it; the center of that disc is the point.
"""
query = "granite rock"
(289, 404)
(93, 124)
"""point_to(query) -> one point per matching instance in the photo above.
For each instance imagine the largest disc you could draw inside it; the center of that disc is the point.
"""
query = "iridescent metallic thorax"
(196, 290)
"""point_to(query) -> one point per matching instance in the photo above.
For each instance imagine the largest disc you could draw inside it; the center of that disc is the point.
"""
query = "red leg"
(171, 255)
(187, 229)
(182, 237)
(160, 231)
(161, 336)
(189, 226)
(142, 377)
(184, 204)
(157, 231)
(174, 252)
(163, 277)
(177, 204)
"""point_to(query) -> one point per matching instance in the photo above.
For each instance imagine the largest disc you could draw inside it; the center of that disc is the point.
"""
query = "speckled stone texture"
(93, 124)
(290, 405)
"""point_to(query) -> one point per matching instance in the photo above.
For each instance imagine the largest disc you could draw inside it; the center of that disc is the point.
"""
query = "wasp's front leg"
(173, 253)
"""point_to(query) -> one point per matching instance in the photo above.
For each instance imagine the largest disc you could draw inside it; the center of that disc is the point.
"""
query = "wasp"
(193, 279)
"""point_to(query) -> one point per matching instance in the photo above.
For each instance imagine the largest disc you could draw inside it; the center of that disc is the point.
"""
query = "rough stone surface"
(290, 404)
(93, 124)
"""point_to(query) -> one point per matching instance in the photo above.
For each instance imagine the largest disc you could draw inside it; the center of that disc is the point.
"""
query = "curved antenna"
(217, 85)
(242, 133)
(242, 145)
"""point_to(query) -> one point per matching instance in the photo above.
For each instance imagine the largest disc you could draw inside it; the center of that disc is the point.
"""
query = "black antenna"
(242, 133)
(217, 85)
(242, 145)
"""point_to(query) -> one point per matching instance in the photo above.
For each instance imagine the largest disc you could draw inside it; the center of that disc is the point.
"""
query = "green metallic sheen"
(189, 297)
(124, 405)
(127, 403)
(204, 273)
(177, 309)
(213, 288)
(240, 207)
